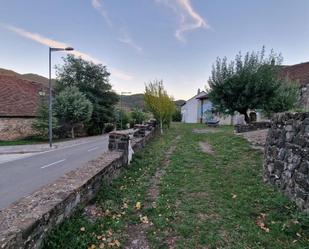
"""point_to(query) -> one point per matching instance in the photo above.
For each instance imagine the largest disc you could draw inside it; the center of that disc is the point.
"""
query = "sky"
(176, 41)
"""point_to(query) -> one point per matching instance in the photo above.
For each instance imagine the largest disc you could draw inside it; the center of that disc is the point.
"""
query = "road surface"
(21, 177)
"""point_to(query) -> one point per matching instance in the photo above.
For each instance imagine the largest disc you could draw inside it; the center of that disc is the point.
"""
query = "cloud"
(97, 4)
(189, 18)
(120, 74)
(52, 43)
(48, 42)
(124, 36)
(126, 39)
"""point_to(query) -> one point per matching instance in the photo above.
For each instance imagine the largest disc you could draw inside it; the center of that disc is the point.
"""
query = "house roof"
(298, 73)
(18, 98)
(201, 95)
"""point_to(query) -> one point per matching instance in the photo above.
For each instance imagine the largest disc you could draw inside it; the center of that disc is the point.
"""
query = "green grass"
(31, 140)
(34, 140)
(205, 201)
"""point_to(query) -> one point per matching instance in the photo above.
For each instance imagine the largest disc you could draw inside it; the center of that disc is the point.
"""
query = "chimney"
(198, 91)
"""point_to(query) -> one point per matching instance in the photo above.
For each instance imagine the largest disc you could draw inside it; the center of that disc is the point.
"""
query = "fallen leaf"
(92, 247)
(260, 222)
(101, 246)
(138, 205)
(144, 219)
(117, 243)
(82, 229)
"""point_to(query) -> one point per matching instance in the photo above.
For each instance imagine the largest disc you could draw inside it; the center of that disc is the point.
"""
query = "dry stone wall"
(16, 128)
(240, 128)
(287, 156)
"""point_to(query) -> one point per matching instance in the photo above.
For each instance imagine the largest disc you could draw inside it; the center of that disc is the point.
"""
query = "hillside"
(137, 101)
(28, 76)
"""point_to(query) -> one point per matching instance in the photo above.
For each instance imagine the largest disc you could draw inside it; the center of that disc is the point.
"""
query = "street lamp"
(50, 98)
(122, 93)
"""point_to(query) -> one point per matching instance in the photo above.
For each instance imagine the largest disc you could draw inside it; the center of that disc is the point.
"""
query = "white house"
(193, 111)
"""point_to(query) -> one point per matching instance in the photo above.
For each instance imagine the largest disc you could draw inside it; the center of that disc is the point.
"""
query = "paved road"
(22, 177)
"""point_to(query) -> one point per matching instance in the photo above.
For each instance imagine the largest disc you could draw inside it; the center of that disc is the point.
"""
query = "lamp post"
(122, 93)
(50, 97)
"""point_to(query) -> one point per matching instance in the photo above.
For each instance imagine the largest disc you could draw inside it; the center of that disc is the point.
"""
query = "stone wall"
(287, 156)
(25, 223)
(16, 128)
(239, 128)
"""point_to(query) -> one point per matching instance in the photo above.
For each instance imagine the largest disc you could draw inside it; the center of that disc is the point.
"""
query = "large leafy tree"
(248, 82)
(159, 103)
(40, 124)
(72, 107)
(92, 80)
(138, 115)
(286, 98)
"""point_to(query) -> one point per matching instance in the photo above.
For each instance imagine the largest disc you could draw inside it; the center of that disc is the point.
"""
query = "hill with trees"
(28, 76)
(129, 102)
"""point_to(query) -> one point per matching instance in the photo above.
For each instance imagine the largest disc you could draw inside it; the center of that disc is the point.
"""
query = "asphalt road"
(23, 176)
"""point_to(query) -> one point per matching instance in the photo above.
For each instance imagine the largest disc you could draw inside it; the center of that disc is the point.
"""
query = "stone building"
(18, 106)
(300, 74)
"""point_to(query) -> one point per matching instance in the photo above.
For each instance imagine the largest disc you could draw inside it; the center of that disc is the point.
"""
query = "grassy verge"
(23, 141)
(33, 140)
(206, 200)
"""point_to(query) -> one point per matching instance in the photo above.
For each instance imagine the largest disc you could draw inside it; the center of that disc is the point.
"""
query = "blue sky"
(142, 40)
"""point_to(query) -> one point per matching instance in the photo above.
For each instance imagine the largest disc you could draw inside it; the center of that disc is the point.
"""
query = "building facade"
(193, 110)
(18, 107)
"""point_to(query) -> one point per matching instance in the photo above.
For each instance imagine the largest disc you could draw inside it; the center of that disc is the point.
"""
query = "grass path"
(205, 192)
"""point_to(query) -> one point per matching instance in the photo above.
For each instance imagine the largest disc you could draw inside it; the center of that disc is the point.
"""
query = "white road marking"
(51, 164)
(94, 148)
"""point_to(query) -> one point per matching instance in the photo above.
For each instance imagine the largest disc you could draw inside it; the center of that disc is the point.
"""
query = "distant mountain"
(130, 102)
(179, 102)
(28, 76)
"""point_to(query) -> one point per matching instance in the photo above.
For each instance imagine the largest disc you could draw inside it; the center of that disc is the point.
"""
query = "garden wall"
(25, 223)
(240, 128)
(16, 128)
(287, 156)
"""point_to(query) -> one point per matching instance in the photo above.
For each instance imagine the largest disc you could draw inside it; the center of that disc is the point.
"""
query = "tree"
(177, 116)
(248, 82)
(286, 98)
(138, 115)
(159, 103)
(72, 107)
(93, 81)
(41, 122)
(124, 117)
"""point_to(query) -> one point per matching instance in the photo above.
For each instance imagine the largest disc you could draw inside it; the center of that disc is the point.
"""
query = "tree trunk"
(161, 126)
(72, 132)
(232, 119)
(247, 118)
